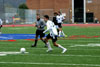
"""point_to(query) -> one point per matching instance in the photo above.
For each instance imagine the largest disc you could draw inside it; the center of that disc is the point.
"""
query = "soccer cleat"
(45, 46)
(64, 50)
(49, 50)
(59, 36)
(33, 46)
(66, 36)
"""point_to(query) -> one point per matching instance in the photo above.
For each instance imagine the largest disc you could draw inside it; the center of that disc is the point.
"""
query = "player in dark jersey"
(55, 21)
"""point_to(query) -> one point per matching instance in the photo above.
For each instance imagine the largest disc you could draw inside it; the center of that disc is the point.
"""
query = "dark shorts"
(0, 26)
(60, 25)
(40, 33)
(49, 37)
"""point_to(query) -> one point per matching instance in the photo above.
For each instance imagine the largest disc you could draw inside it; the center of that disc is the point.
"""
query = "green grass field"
(82, 51)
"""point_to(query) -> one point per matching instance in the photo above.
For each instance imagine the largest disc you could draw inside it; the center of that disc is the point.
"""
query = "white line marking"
(46, 48)
(94, 56)
(88, 45)
(14, 53)
(3, 54)
(64, 64)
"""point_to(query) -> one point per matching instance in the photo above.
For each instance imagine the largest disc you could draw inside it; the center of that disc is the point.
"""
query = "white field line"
(12, 52)
(57, 64)
(84, 45)
(46, 48)
(31, 48)
(18, 28)
(3, 54)
(60, 55)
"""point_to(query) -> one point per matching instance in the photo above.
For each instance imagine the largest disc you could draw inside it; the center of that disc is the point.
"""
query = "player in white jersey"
(1, 23)
(52, 35)
(60, 19)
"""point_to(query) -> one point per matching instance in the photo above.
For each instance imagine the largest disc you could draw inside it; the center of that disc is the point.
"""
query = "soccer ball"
(22, 50)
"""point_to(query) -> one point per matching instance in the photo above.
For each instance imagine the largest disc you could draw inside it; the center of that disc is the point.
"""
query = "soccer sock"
(63, 33)
(49, 46)
(59, 33)
(36, 41)
(60, 46)
(44, 42)
(0, 33)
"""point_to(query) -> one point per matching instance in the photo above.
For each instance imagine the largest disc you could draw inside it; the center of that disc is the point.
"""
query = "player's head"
(55, 13)
(38, 16)
(59, 12)
(46, 17)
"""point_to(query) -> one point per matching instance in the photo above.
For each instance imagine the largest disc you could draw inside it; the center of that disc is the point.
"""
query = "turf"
(83, 49)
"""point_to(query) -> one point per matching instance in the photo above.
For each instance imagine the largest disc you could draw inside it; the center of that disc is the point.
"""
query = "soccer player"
(60, 19)
(55, 19)
(1, 22)
(52, 35)
(40, 24)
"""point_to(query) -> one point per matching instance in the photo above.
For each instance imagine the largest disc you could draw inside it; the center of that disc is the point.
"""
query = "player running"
(40, 24)
(55, 19)
(60, 19)
(1, 23)
(52, 35)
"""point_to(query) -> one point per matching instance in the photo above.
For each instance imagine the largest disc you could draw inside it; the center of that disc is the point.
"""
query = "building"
(48, 4)
(78, 10)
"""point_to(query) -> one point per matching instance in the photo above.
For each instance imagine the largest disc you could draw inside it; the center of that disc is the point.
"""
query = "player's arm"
(48, 28)
(63, 18)
(42, 24)
(37, 25)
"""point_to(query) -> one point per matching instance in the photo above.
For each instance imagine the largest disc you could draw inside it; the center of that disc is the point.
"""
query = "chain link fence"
(27, 16)
(19, 16)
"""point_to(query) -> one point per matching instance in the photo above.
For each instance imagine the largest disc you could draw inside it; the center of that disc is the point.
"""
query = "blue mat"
(16, 36)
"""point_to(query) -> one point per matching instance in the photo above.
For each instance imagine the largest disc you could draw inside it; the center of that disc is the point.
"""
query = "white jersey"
(51, 27)
(60, 18)
(1, 22)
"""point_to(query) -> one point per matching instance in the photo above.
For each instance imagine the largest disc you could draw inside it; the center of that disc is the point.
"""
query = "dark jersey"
(55, 21)
(40, 23)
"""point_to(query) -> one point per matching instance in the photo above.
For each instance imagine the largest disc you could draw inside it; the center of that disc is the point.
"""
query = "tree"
(22, 9)
(23, 6)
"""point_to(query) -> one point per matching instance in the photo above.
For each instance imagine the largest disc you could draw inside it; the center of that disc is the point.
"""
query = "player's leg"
(0, 29)
(47, 43)
(60, 29)
(36, 39)
(41, 37)
(58, 45)
(64, 35)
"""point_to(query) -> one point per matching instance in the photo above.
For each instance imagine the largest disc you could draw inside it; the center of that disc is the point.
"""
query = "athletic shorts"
(40, 32)
(60, 25)
(0, 26)
(49, 37)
